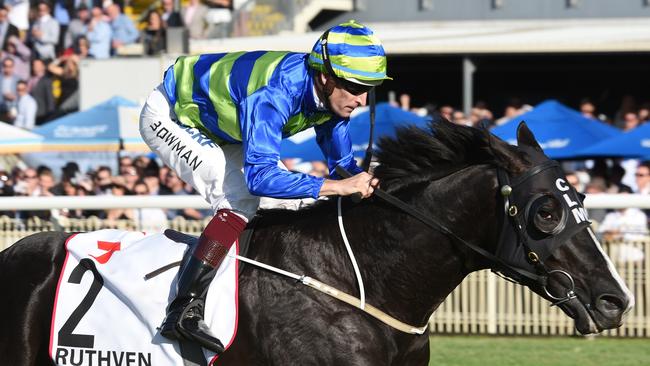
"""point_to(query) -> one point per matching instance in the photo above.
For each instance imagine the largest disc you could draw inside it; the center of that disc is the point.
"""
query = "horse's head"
(549, 239)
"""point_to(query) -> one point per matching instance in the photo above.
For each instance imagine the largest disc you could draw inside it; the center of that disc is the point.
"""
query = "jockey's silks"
(256, 99)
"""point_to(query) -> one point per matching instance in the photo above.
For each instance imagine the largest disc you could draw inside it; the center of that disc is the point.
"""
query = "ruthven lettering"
(92, 357)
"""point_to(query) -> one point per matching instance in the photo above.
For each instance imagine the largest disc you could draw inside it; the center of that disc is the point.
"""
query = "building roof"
(472, 37)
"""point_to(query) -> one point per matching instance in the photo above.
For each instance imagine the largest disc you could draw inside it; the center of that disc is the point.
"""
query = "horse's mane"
(416, 155)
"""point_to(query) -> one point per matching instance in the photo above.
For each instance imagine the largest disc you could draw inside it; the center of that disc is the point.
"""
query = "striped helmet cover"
(354, 52)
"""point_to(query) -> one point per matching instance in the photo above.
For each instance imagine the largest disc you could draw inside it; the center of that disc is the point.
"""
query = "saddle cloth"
(106, 313)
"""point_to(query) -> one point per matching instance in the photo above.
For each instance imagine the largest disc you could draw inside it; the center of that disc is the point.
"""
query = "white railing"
(482, 304)
(108, 202)
(486, 304)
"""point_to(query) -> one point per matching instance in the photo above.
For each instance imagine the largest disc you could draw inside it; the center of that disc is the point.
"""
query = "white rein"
(347, 298)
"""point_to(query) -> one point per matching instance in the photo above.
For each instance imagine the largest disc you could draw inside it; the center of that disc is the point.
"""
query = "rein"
(435, 225)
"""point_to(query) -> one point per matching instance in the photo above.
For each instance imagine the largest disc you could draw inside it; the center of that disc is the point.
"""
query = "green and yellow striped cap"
(354, 53)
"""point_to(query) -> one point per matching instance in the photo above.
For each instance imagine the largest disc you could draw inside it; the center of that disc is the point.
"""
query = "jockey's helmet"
(350, 51)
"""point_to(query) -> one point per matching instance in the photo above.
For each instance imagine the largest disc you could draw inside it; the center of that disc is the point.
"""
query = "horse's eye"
(545, 216)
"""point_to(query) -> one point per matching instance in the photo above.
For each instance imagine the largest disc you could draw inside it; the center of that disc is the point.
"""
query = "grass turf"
(538, 351)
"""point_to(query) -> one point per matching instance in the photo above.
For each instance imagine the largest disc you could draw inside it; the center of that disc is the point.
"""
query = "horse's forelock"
(415, 155)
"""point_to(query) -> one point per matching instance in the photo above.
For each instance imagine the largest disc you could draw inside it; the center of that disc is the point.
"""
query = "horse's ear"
(525, 137)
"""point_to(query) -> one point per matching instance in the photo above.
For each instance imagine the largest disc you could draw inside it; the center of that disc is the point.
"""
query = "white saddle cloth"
(110, 316)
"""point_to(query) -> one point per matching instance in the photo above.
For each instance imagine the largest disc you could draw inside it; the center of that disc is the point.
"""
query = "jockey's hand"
(362, 183)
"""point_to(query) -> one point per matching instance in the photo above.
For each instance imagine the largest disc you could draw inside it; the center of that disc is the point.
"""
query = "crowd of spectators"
(139, 175)
(43, 42)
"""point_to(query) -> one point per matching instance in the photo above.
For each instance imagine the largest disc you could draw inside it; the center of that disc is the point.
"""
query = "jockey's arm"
(262, 117)
(334, 140)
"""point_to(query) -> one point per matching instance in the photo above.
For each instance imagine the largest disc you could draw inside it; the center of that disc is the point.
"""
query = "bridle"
(529, 267)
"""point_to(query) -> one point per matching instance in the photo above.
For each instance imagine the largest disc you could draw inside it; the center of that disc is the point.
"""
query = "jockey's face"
(344, 96)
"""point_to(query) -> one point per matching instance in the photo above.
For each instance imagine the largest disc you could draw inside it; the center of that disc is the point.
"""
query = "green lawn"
(529, 351)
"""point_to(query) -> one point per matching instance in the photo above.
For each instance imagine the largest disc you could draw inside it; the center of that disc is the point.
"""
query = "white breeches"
(215, 172)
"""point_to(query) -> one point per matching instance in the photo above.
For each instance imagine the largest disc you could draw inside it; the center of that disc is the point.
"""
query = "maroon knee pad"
(218, 237)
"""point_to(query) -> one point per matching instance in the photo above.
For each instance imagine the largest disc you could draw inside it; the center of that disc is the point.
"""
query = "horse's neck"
(409, 269)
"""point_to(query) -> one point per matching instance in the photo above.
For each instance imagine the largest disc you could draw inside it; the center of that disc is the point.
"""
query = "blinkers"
(540, 219)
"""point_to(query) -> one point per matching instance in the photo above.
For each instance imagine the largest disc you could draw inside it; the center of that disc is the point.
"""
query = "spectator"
(642, 176)
(45, 183)
(130, 175)
(40, 87)
(149, 219)
(154, 36)
(103, 178)
(125, 162)
(18, 13)
(63, 9)
(630, 121)
(123, 29)
(458, 117)
(446, 112)
(80, 49)
(26, 182)
(218, 17)
(66, 70)
(167, 10)
(588, 109)
(626, 224)
(615, 178)
(45, 33)
(99, 35)
(26, 107)
(21, 55)
(512, 110)
(177, 187)
(644, 112)
(7, 30)
(115, 214)
(628, 105)
(8, 82)
(78, 26)
(405, 102)
(6, 190)
(597, 185)
(194, 18)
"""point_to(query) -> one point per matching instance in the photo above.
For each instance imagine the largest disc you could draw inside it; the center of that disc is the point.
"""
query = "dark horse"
(450, 173)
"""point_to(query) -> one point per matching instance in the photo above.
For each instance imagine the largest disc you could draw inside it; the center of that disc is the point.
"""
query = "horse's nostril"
(608, 304)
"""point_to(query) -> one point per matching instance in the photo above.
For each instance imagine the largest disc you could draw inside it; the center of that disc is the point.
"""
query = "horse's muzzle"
(609, 310)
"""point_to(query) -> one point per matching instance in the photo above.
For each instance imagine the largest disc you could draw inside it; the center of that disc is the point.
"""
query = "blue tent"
(631, 144)
(100, 128)
(387, 117)
(561, 131)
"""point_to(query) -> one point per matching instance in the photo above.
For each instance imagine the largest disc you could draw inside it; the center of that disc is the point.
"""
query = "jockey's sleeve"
(334, 140)
(263, 115)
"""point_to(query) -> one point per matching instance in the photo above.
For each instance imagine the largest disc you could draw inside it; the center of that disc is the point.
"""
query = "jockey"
(218, 120)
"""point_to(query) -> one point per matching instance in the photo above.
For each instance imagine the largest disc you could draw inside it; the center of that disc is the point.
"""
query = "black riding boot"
(184, 318)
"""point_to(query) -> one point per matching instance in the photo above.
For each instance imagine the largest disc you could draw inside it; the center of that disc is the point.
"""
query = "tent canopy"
(561, 131)
(103, 127)
(15, 140)
(303, 145)
(631, 144)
